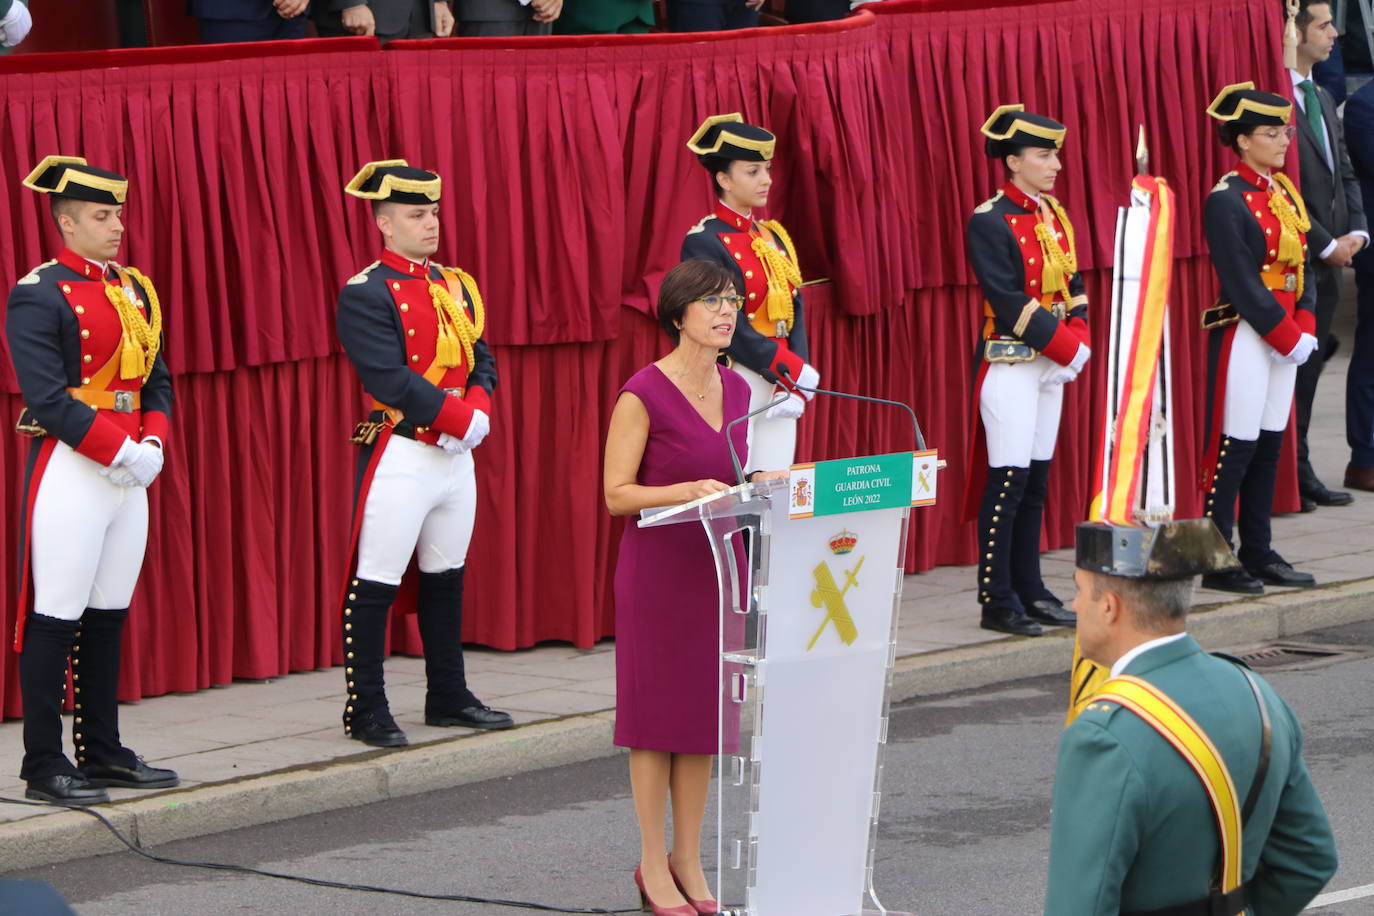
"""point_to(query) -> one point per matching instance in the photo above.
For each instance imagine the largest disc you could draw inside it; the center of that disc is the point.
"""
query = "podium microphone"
(915, 426)
(734, 455)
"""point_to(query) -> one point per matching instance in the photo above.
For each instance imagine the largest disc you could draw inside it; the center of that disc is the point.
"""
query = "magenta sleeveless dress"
(666, 629)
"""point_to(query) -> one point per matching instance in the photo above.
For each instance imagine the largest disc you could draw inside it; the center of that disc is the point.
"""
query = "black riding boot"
(100, 754)
(1256, 553)
(448, 701)
(1040, 603)
(1233, 461)
(367, 717)
(1002, 609)
(43, 684)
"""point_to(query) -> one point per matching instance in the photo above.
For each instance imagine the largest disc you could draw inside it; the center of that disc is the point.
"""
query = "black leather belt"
(1214, 904)
(1219, 316)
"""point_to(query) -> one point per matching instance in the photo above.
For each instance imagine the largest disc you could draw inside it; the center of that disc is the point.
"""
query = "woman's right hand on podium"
(696, 489)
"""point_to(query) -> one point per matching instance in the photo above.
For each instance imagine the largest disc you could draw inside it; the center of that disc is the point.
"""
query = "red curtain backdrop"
(568, 190)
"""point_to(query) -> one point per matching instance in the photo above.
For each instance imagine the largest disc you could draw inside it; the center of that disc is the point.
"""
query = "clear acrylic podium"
(808, 641)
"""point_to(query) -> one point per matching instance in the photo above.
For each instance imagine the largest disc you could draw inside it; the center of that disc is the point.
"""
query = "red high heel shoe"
(647, 905)
(702, 907)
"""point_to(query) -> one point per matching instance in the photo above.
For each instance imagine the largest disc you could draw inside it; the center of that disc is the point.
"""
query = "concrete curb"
(378, 775)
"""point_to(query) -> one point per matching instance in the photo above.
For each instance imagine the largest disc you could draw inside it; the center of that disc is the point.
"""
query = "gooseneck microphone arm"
(734, 455)
(785, 372)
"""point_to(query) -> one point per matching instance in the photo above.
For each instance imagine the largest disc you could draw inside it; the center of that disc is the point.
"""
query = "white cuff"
(1326, 252)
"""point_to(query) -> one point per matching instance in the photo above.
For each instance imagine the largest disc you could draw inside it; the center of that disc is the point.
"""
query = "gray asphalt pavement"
(965, 822)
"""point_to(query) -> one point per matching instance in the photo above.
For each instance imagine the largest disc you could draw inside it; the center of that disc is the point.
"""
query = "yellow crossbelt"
(1192, 743)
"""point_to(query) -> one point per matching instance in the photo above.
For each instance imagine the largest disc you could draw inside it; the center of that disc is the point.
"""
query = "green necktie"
(1312, 107)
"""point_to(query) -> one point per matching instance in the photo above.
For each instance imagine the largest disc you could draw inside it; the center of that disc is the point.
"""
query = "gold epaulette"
(701, 226)
(361, 276)
(988, 204)
(1224, 183)
(32, 276)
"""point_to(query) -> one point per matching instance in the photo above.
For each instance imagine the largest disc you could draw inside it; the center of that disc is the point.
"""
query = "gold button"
(85, 333)
(753, 296)
(748, 275)
(1273, 253)
(421, 429)
(1023, 240)
(86, 380)
(1030, 261)
(986, 580)
(66, 288)
(410, 332)
(1258, 213)
(355, 581)
(348, 626)
(80, 309)
(348, 640)
(352, 596)
(751, 315)
(350, 655)
(395, 285)
(737, 256)
(86, 358)
(413, 359)
(405, 307)
(725, 239)
(1034, 283)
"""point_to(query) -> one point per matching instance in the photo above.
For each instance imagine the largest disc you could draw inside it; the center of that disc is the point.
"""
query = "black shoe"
(66, 790)
(1306, 505)
(1233, 580)
(139, 776)
(472, 717)
(1317, 492)
(1280, 573)
(377, 729)
(1008, 620)
(1051, 612)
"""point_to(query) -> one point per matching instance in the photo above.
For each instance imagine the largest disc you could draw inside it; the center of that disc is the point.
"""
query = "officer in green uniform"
(1133, 829)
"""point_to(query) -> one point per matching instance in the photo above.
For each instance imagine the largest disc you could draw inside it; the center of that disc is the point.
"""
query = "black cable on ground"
(318, 882)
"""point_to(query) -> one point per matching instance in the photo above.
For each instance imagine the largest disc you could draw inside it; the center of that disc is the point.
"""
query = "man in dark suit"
(712, 15)
(798, 11)
(1359, 382)
(227, 21)
(385, 19)
(1338, 230)
(503, 18)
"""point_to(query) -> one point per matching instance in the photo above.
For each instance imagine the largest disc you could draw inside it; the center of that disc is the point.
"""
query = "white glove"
(809, 377)
(1058, 375)
(477, 429)
(452, 445)
(141, 459)
(14, 28)
(1080, 359)
(1302, 350)
(120, 477)
(790, 409)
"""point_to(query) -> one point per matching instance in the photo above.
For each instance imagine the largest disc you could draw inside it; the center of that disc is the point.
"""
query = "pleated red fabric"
(568, 190)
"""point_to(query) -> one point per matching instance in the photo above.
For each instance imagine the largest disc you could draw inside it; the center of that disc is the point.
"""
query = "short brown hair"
(1158, 605)
(685, 284)
(1304, 18)
(60, 204)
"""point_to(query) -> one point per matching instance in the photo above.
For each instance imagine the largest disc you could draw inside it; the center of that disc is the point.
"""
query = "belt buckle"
(1290, 283)
(456, 392)
(1059, 310)
(124, 402)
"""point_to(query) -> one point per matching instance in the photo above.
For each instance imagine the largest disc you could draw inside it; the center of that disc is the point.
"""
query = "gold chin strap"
(782, 272)
(1059, 265)
(1292, 222)
(457, 332)
(139, 340)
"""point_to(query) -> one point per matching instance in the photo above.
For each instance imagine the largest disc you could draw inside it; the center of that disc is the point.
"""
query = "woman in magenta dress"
(667, 445)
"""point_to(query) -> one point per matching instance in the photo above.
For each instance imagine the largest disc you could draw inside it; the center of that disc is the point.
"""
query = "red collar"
(1020, 198)
(79, 264)
(733, 219)
(1250, 175)
(404, 264)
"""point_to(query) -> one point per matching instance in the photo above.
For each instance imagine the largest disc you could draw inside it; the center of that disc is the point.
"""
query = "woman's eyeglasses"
(716, 303)
(1277, 132)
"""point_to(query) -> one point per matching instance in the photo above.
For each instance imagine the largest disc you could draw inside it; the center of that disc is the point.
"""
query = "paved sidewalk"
(260, 751)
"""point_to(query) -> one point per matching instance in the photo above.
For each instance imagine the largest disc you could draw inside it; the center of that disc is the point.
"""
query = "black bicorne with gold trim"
(1010, 128)
(395, 181)
(1243, 104)
(727, 136)
(71, 176)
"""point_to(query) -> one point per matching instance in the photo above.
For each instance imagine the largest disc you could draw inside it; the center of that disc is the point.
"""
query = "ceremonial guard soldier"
(413, 330)
(769, 349)
(1259, 332)
(1034, 341)
(1180, 788)
(85, 336)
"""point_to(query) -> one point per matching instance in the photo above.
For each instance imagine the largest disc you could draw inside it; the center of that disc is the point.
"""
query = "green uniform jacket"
(583, 17)
(1131, 827)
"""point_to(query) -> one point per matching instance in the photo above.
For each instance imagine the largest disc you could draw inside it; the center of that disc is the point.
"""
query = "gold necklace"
(682, 375)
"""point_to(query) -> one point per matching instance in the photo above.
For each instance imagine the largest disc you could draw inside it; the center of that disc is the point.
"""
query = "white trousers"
(1020, 415)
(772, 441)
(1259, 391)
(423, 501)
(88, 537)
